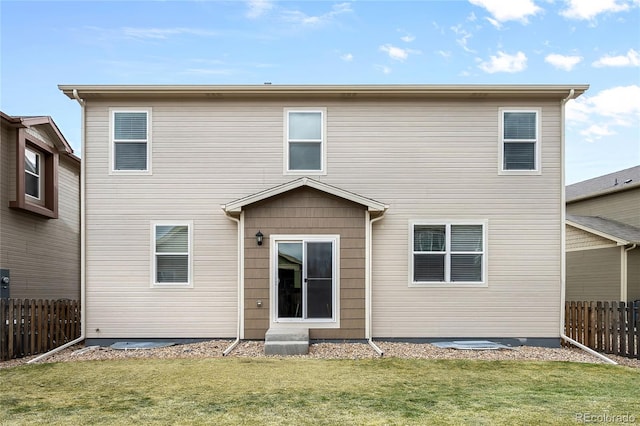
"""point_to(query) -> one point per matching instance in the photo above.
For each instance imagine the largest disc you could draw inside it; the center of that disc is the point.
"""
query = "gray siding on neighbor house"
(43, 255)
(428, 160)
(593, 275)
(633, 274)
(622, 206)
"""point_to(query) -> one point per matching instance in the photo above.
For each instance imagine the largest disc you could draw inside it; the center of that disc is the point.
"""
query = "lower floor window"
(447, 252)
(172, 253)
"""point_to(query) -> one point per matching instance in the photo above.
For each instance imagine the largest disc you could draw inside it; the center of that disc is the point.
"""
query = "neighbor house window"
(520, 140)
(33, 178)
(305, 143)
(172, 254)
(36, 176)
(130, 150)
(447, 253)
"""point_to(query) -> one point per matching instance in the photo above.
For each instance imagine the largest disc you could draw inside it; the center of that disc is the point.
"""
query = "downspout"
(624, 293)
(563, 262)
(83, 297)
(240, 280)
(368, 283)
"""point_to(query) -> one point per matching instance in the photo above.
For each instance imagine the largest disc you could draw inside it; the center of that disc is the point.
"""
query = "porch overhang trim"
(617, 240)
(235, 207)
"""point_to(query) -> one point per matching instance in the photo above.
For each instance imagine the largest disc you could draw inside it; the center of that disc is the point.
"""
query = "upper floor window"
(33, 174)
(305, 144)
(36, 176)
(520, 141)
(130, 150)
(447, 253)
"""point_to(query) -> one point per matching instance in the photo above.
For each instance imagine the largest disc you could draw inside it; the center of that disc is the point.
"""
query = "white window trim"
(323, 142)
(189, 225)
(273, 274)
(112, 142)
(538, 142)
(448, 223)
(40, 175)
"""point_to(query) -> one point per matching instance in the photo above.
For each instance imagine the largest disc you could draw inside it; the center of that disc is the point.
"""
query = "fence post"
(4, 329)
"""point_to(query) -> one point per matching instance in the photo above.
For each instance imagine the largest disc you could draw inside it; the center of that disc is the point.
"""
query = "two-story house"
(39, 211)
(603, 238)
(356, 212)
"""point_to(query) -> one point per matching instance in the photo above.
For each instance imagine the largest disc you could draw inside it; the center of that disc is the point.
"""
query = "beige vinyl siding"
(593, 275)
(427, 160)
(577, 239)
(620, 206)
(43, 255)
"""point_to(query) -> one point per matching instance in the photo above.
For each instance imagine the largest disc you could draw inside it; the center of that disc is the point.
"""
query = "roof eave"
(236, 206)
(349, 91)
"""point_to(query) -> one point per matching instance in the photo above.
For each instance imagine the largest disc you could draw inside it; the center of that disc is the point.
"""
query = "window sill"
(34, 209)
(171, 286)
(520, 172)
(447, 285)
(294, 323)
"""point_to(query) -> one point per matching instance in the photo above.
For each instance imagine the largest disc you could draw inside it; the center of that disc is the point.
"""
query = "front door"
(305, 281)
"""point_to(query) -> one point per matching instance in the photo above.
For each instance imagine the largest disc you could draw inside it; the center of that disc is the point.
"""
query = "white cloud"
(463, 39)
(298, 17)
(606, 110)
(444, 53)
(162, 33)
(383, 68)
(563, 62)
(504, 62)
(631, 59)
(257, 8)
(408, 38)
(512, 10)
(347, 57)
(397, 53)
(589, 9)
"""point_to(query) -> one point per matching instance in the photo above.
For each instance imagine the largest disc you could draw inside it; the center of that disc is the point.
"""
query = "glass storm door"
(305, 281)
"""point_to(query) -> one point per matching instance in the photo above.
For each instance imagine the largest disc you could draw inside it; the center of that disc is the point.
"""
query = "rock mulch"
(255, 349)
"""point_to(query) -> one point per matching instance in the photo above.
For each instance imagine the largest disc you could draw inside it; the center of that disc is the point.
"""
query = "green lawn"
(304, 391)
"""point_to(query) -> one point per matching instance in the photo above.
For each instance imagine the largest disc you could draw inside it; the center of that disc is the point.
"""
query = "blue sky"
(594, 42)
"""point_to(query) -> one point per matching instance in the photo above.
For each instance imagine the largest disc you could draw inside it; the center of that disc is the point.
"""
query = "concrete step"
(286, 341)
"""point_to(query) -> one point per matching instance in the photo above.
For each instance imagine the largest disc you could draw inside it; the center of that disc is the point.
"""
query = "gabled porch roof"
(620, 233)
(237, 205)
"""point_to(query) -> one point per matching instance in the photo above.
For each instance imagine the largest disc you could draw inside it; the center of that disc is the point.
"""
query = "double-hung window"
(131, 141)
(172, 254)
(305, 144)
(33, 177)
(448, 253)
(520, 141)
(36, 176)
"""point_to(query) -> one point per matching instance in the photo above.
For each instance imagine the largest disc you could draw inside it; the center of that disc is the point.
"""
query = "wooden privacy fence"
(609, 327)
(29, 326)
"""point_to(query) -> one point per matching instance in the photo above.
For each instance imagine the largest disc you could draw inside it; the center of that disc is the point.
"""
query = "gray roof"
(612, 182)
(621, 231)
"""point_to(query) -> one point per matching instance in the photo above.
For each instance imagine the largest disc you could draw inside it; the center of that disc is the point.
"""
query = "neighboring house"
(353, 211)
(39, 210)
(603, 238)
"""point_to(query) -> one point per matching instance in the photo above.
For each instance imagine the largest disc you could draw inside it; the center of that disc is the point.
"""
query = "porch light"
(259, 238)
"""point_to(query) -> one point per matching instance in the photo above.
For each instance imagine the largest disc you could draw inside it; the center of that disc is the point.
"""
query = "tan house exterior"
(603, 238)
(357, 212)
(39, 211)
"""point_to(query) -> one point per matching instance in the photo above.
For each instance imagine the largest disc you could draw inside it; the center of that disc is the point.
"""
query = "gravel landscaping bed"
(255, 349)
